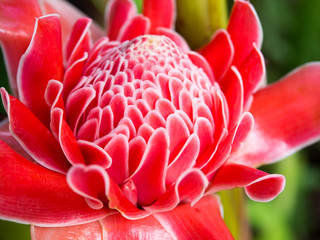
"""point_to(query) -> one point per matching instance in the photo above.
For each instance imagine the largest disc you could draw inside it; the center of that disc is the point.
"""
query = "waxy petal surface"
(118, 149)
(8, 138)
(160, 13)
(150, 175)
(68, 16)
(287, 118)
(91, 182)
(87, 231)
(94, 154)
(174, 36)
(117, 227)
(37, 141)
(202, 221)
(118, 12)
(219, 53)
(38, 67)
(79, 40)
(138, 25)
(17, 19)
(253, 73)
(245, 29)
(233, 90)
(190, 179)
(259, 185)
(33, 194)
(65, 137)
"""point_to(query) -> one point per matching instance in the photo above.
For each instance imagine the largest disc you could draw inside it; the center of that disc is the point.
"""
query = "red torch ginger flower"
(129, 135)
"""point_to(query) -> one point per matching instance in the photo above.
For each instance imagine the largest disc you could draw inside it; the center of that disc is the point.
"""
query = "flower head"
(136, 125)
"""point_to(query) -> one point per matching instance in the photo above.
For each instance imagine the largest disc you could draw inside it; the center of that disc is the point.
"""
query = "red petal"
(178, 134)
(118, 150)
(118, 12)
(41, 62)
(234, 139)
(245, 29)
(252, 71)
(154, 120)
(160, 13)
(190, 186)
(33, 194)
(35, 138)
(259, 185)
(91, 182)
(118, 201)
(118, 227)
(130, 192)
(94, 154)
(107, 119)
(175, 87)
(174, 36)
(145, 131)
(17, 20)
(184, 160)
(201, 62)
(73, 75)
(204, 130)
(7, 137)
(137, 147)
(219, 53)
(150, 175)
(92, 231)
(126, 122)
(68, 16)
(65, 137)
(165, 107)
(77, 103)
(151, 96)
(138, 25)
(88, 130)
(243, 129)
(118, 105)
(232, 87)
(286, 118)
(79, 40)
(53, 93)
(202, 221)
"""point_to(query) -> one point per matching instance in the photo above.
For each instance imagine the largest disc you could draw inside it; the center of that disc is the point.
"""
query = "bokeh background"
(291, 38)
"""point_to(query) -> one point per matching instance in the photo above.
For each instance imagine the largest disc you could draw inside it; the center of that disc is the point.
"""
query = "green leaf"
(276, 219)
(14, 231)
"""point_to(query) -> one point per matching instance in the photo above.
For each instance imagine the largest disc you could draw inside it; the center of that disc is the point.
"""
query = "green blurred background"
(291, 38)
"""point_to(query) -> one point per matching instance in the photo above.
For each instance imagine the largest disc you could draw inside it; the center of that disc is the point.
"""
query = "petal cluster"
(134, 125)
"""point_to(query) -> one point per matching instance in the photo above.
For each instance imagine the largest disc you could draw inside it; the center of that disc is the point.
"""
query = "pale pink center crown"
(147, 87)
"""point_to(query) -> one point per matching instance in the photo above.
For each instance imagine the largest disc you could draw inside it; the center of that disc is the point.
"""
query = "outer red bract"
(124, 135)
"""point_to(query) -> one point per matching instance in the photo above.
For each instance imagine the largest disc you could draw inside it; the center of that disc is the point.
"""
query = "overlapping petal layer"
(141, 127)
(16, 27)
(184, 222)
(286, 117)
(37, 195)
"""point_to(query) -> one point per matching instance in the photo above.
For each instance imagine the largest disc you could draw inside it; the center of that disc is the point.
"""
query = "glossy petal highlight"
(17, 19)
(295, 97)
(37, 67)
(185, 222)
(27, 198)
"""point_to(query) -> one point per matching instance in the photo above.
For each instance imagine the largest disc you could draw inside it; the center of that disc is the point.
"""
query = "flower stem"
(207, 17)
(235, 214)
